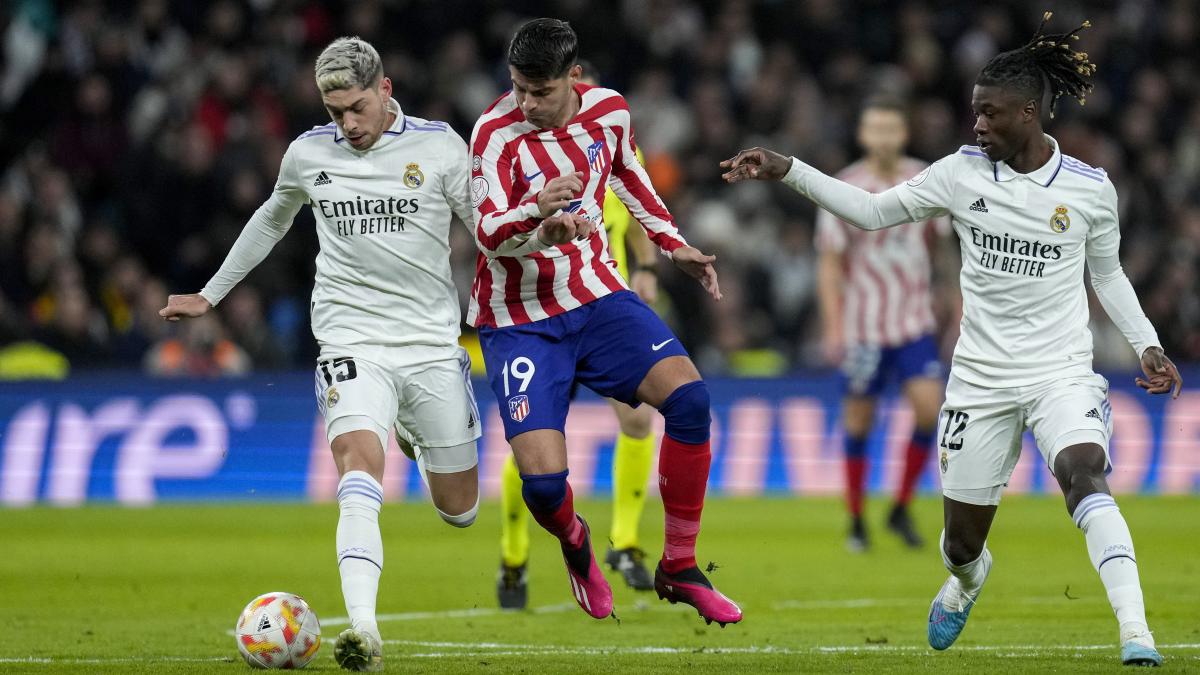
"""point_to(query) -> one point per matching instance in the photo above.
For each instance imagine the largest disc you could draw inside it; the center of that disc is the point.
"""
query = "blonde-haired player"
(633, 454)
(383, 186)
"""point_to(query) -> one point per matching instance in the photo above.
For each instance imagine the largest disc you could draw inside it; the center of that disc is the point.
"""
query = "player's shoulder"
(1079, 171)
(969, 156)
(967, 163)
(418, 125)
(502, 117)
(600, 101)
(326, 133)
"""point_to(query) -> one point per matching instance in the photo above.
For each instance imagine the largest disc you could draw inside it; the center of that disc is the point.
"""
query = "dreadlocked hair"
(1045, 58)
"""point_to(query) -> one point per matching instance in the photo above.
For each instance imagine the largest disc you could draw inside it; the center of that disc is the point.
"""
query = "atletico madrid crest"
(595, 156)
(518, 407)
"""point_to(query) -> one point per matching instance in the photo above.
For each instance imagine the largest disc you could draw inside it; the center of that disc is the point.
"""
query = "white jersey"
(1024, 239)
(383, 218)
(887, 301)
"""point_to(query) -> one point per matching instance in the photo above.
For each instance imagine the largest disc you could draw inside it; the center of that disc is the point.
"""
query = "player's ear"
(1030, 110)
(574, 74)
(385, 87)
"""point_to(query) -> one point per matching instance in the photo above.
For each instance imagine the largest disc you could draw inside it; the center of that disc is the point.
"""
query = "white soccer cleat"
(1137, 649)
(358, 650)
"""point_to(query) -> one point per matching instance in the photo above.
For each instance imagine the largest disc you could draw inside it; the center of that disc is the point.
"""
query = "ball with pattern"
(278, 630)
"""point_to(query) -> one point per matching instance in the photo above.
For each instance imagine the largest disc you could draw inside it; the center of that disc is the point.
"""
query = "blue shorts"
(866, 369)
(607, 345)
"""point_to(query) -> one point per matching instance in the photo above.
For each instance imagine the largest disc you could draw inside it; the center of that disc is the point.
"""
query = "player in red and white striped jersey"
(552, 310)
(514, 159)
(877, 316)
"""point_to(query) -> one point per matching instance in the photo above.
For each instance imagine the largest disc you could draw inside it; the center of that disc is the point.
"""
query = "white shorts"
(980, 429)
(430, 404)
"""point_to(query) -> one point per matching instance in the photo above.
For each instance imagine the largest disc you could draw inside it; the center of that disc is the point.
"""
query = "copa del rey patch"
(518, 407)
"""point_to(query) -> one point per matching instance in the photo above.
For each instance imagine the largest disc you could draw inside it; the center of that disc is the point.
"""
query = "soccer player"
(552, 310)
(873, 289)
(633, 454)
(383, 186)
(1028, 217)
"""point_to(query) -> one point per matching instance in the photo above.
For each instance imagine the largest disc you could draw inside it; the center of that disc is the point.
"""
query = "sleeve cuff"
(795, 174)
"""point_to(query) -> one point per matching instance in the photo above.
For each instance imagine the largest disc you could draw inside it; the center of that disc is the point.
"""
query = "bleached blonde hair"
(346, 63)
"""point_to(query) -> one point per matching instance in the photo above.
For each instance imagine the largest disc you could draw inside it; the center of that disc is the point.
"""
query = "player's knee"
(686, 412)
(960, 550)
(544, 492)
(636, 426)
(464, 519)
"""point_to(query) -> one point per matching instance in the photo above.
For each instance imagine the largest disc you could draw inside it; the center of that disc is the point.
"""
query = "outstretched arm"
(854, 205)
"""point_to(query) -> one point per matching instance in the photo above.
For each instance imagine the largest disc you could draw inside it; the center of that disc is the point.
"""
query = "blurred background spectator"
(137, 137)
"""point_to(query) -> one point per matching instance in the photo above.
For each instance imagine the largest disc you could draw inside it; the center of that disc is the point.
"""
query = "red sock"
(682, 479)
(562, 522)
(914, 463)
(856, 473)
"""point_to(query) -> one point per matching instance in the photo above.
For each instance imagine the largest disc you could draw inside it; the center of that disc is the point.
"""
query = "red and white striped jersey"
(517, 278)
(886, 299)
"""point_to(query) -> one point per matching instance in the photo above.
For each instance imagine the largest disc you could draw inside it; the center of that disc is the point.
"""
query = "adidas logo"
(471, 421)
(264, 623)
(1093, 413)
(979, 205)
(322, 179)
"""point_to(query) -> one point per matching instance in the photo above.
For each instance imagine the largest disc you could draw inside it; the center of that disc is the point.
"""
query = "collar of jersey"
(1043, 175)
(388, 136)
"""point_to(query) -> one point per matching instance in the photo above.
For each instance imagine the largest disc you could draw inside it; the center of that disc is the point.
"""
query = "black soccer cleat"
(630, 562)
(900, 523)
(512, 586)
(857, 540)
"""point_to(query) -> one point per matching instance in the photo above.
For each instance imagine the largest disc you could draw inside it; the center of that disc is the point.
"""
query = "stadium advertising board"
(126, 439)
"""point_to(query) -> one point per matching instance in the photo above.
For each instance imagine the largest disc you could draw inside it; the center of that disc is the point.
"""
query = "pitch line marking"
(473, 649)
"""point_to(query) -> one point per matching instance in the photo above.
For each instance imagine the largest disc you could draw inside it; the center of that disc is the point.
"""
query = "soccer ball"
(278, 630)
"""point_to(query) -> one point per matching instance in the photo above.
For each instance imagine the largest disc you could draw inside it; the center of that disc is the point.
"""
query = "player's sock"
(1111, 548)
(856, 474)
(514, 517)
(360, 546)
(552, 504)
(683, 465)
(970, 575)
(631, 469)
(915, 458)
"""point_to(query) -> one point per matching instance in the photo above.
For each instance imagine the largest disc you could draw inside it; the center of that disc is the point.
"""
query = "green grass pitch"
(107, 589)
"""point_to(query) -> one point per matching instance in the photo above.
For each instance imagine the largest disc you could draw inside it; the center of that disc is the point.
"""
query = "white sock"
(1110, 547)
(360, 546)
(970, 575)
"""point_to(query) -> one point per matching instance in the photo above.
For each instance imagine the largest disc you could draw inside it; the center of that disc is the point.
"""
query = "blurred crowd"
(137, 137)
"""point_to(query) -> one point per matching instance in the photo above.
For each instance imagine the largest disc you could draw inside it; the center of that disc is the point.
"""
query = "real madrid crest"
(332, 397)
(413, 177)
(945, 461)
(1060, 221)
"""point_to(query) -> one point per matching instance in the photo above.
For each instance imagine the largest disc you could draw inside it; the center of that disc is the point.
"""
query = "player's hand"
(1161, 375)
(558, 193)
(698, 266)
(565, 227)
(184, 306)
(755, 163)
(645, 284)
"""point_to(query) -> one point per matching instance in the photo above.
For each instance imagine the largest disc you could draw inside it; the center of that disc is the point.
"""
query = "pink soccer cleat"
(588, 584)
(691, 587)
